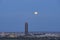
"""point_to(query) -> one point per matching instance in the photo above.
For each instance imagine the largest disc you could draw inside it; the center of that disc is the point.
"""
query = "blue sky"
(14, 13)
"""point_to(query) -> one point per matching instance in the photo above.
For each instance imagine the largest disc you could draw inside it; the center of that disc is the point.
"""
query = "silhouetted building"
(26, 28)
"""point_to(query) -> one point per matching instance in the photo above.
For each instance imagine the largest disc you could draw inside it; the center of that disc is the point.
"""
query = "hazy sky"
(14, 13)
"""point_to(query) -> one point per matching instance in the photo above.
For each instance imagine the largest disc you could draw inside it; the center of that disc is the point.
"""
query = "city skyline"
(14, 13)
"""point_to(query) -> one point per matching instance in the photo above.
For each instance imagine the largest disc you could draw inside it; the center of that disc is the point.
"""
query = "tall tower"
(26, 28)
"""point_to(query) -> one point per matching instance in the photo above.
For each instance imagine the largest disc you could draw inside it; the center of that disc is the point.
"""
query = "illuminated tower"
(26, 28)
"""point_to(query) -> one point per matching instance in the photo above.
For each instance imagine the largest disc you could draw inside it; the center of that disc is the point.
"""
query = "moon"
(35, 13)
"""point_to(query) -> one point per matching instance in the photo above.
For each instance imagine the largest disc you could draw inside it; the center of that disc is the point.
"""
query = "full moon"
(35, 13)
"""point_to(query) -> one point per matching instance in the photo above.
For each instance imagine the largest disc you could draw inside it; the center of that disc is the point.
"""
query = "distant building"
(26, 28)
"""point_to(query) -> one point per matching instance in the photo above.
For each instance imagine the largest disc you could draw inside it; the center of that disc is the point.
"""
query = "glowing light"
(35, 13)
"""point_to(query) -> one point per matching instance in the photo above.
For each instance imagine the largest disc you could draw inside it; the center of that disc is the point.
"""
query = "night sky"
(14, 14)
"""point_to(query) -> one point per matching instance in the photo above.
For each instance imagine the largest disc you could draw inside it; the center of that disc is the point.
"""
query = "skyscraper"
(26, 28)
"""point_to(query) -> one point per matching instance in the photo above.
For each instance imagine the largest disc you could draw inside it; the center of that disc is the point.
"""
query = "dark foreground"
(31, 38)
